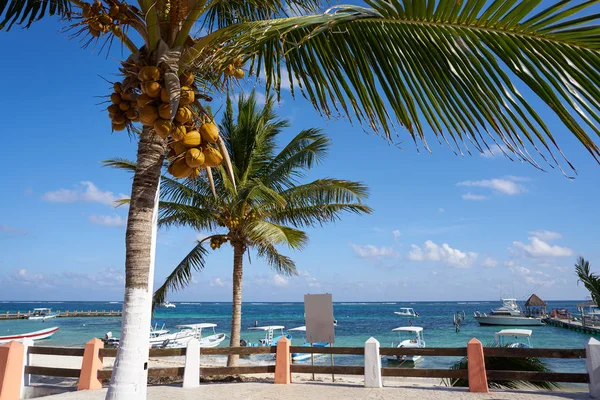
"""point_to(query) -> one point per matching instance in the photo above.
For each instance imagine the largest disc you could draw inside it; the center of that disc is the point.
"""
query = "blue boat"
(305, 356)
(270, 339)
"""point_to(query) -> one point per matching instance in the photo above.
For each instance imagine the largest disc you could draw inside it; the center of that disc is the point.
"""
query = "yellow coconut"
(148, 115)
(115, 98)
(86, 10)
(194, 157)
(132, 114)
(180, 169)
(118, 127)
(113, 109)
(118, 119)
(212, 157)
(117, 87)
(128, 95)
(209, 132)
(164, 110)
(151, 89)
(105, 19)
(164, 95)
(97, 7)
(186, 79)
(178, 148)
(183, 115)
(144, 100)
(113, 11)
(149, 73)
(229, 70)
(179, 132)
(163, 127)
(238, 61)
(124, 105)
(187, 96)
(95, 24)
(94, 32)
(195, 173)
(239, 73)
(192, 139)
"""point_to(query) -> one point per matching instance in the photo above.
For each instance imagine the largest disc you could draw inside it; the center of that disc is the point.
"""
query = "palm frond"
(120, 163)
(268, 233)
(280, 263)
(458, 67)
(182, 274)
(590, 280)
(177, 214)
(26, 12)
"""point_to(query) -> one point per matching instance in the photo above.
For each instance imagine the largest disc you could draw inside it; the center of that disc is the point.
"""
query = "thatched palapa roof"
(535, 301)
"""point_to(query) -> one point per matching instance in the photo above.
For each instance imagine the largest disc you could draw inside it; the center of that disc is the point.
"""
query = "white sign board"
(318, 310)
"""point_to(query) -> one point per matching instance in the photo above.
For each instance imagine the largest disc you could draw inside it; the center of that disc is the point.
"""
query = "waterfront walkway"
(322, 390)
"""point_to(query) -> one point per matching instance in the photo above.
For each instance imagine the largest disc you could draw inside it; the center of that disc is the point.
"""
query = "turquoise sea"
(356, 323)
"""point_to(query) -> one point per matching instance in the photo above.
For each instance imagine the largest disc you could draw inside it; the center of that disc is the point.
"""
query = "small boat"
(510, 314)
(166, 304)
(270, 339)
(305, 356)
(408, 337)
(42, 314)
(37, 335)
(514, 338)
(207, 341)
(407, 312)
(160, 337)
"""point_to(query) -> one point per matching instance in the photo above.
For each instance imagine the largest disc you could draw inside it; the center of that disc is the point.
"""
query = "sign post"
(318, 311)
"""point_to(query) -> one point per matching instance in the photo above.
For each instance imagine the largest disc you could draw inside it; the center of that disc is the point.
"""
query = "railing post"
(283, 361)
(372, 364)
(11, 370)
(592, 362)
(476, 366)
(191, 373)
(91, 364)
(26, 362)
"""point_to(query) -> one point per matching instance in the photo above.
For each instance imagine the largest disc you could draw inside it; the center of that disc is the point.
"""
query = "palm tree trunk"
(130, 371)
(236, 314)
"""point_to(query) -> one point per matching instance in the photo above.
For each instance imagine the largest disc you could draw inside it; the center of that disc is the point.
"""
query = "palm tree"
(590, 280)
(458, 67)
(265, 210)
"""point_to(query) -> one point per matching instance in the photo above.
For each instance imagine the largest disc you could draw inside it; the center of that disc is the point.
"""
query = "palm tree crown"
(590, 280)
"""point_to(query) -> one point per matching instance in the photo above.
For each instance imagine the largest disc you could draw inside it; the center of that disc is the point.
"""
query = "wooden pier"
(572, 325)
(65, 314)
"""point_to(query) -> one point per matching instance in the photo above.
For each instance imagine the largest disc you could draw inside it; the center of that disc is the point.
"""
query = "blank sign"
(318, 309)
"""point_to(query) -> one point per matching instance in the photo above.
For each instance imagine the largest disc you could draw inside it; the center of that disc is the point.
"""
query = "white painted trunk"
(130, 371)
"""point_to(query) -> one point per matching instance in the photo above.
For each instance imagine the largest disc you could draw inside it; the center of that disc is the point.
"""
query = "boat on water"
(42, 314)
(166, 304)
(305, 356)
(510, 314)
(514, 338)
(37, 335)
(407, 312)
(408, 337)
(205, 341)
(270, 339)
(160, 337)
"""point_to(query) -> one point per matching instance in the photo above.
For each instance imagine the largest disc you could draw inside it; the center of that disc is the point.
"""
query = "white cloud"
(546, 235)
(494, 151)
(471, 196)
(217, 282)
(370, 251)
(396, 234)
(441, 210)
(537, 248)
(504, 186)
(108, 220)
(86, 192)
(106, 278)
(444, 253)
(530, 277)
(12, 230)
(279, 280)
(310, 280)
(489, 262)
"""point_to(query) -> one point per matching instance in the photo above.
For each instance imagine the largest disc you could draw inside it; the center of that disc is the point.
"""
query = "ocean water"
(357, 322)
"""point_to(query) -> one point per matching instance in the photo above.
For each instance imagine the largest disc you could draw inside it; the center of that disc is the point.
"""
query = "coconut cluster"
(217, 241)
(123, 108)
(234, 69)
(101, 18)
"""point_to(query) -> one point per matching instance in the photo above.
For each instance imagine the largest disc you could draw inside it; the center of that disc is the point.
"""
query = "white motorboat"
(510, 314)
(37, 335)
(42, 314)
(305, 356)
(408, 337)
(514, 338)
(270, 339)
(205, 341)
(407, 312)
(160, 337)
(166, 304)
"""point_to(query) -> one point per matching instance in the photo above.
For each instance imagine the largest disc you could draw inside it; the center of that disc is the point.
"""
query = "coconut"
(118, 127)
(195, 173)
(113, 11)
(124, 105)
(115, 98)
(178, 148)
(97, 6)
(187, 96)
(183, 115)
(149, 73)
(113, 109)
(86, 10)
(164, 95)
(164, 110)
(179, 132)
(186, 79)
(151, 89)
(238, 61)
(95, 24)
(117, 87)
(194, 157)
(128, 95)
(179, 168)
(192, 139)
(209, 132)
(212, 157)
(163, 127)
(144, 100)
(132, 114)
(239, 73)
(105, 19)
(94, 32)
(229, 70)
(118, 119)
(148, 115)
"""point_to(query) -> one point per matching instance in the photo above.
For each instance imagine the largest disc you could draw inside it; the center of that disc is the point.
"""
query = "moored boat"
(205, 341)
(42, 314)
(305, 356)
(37, 335)
(408, 337)
(510, 314)
(514, 338)
(407, 312)
(166, 304)
(270, 339)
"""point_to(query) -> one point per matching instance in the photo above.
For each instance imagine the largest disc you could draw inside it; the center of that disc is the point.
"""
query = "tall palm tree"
(458, 67)
(590, 280)
(267, 208)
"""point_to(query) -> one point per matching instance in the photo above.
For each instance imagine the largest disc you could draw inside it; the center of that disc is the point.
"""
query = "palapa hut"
(535, 307)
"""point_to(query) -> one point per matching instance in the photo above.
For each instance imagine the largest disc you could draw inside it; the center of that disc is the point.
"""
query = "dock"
(572, 325)
(64, 314)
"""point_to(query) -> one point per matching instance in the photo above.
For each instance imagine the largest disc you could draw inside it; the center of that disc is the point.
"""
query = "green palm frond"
(266, 232)
(120, 163)
(280, 263)
(444, 63)
(590, 280)
(26, 12)
(177, 214)
(182, 274)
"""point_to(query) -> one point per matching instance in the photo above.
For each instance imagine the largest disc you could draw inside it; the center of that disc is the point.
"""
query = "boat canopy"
(514, 332)
(300, 329)
(196, 326)
(266, 328)
(42, 309)
(408, 329)
(406, 308)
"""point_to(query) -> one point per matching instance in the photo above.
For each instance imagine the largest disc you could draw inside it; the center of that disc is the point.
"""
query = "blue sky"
(445, 227)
